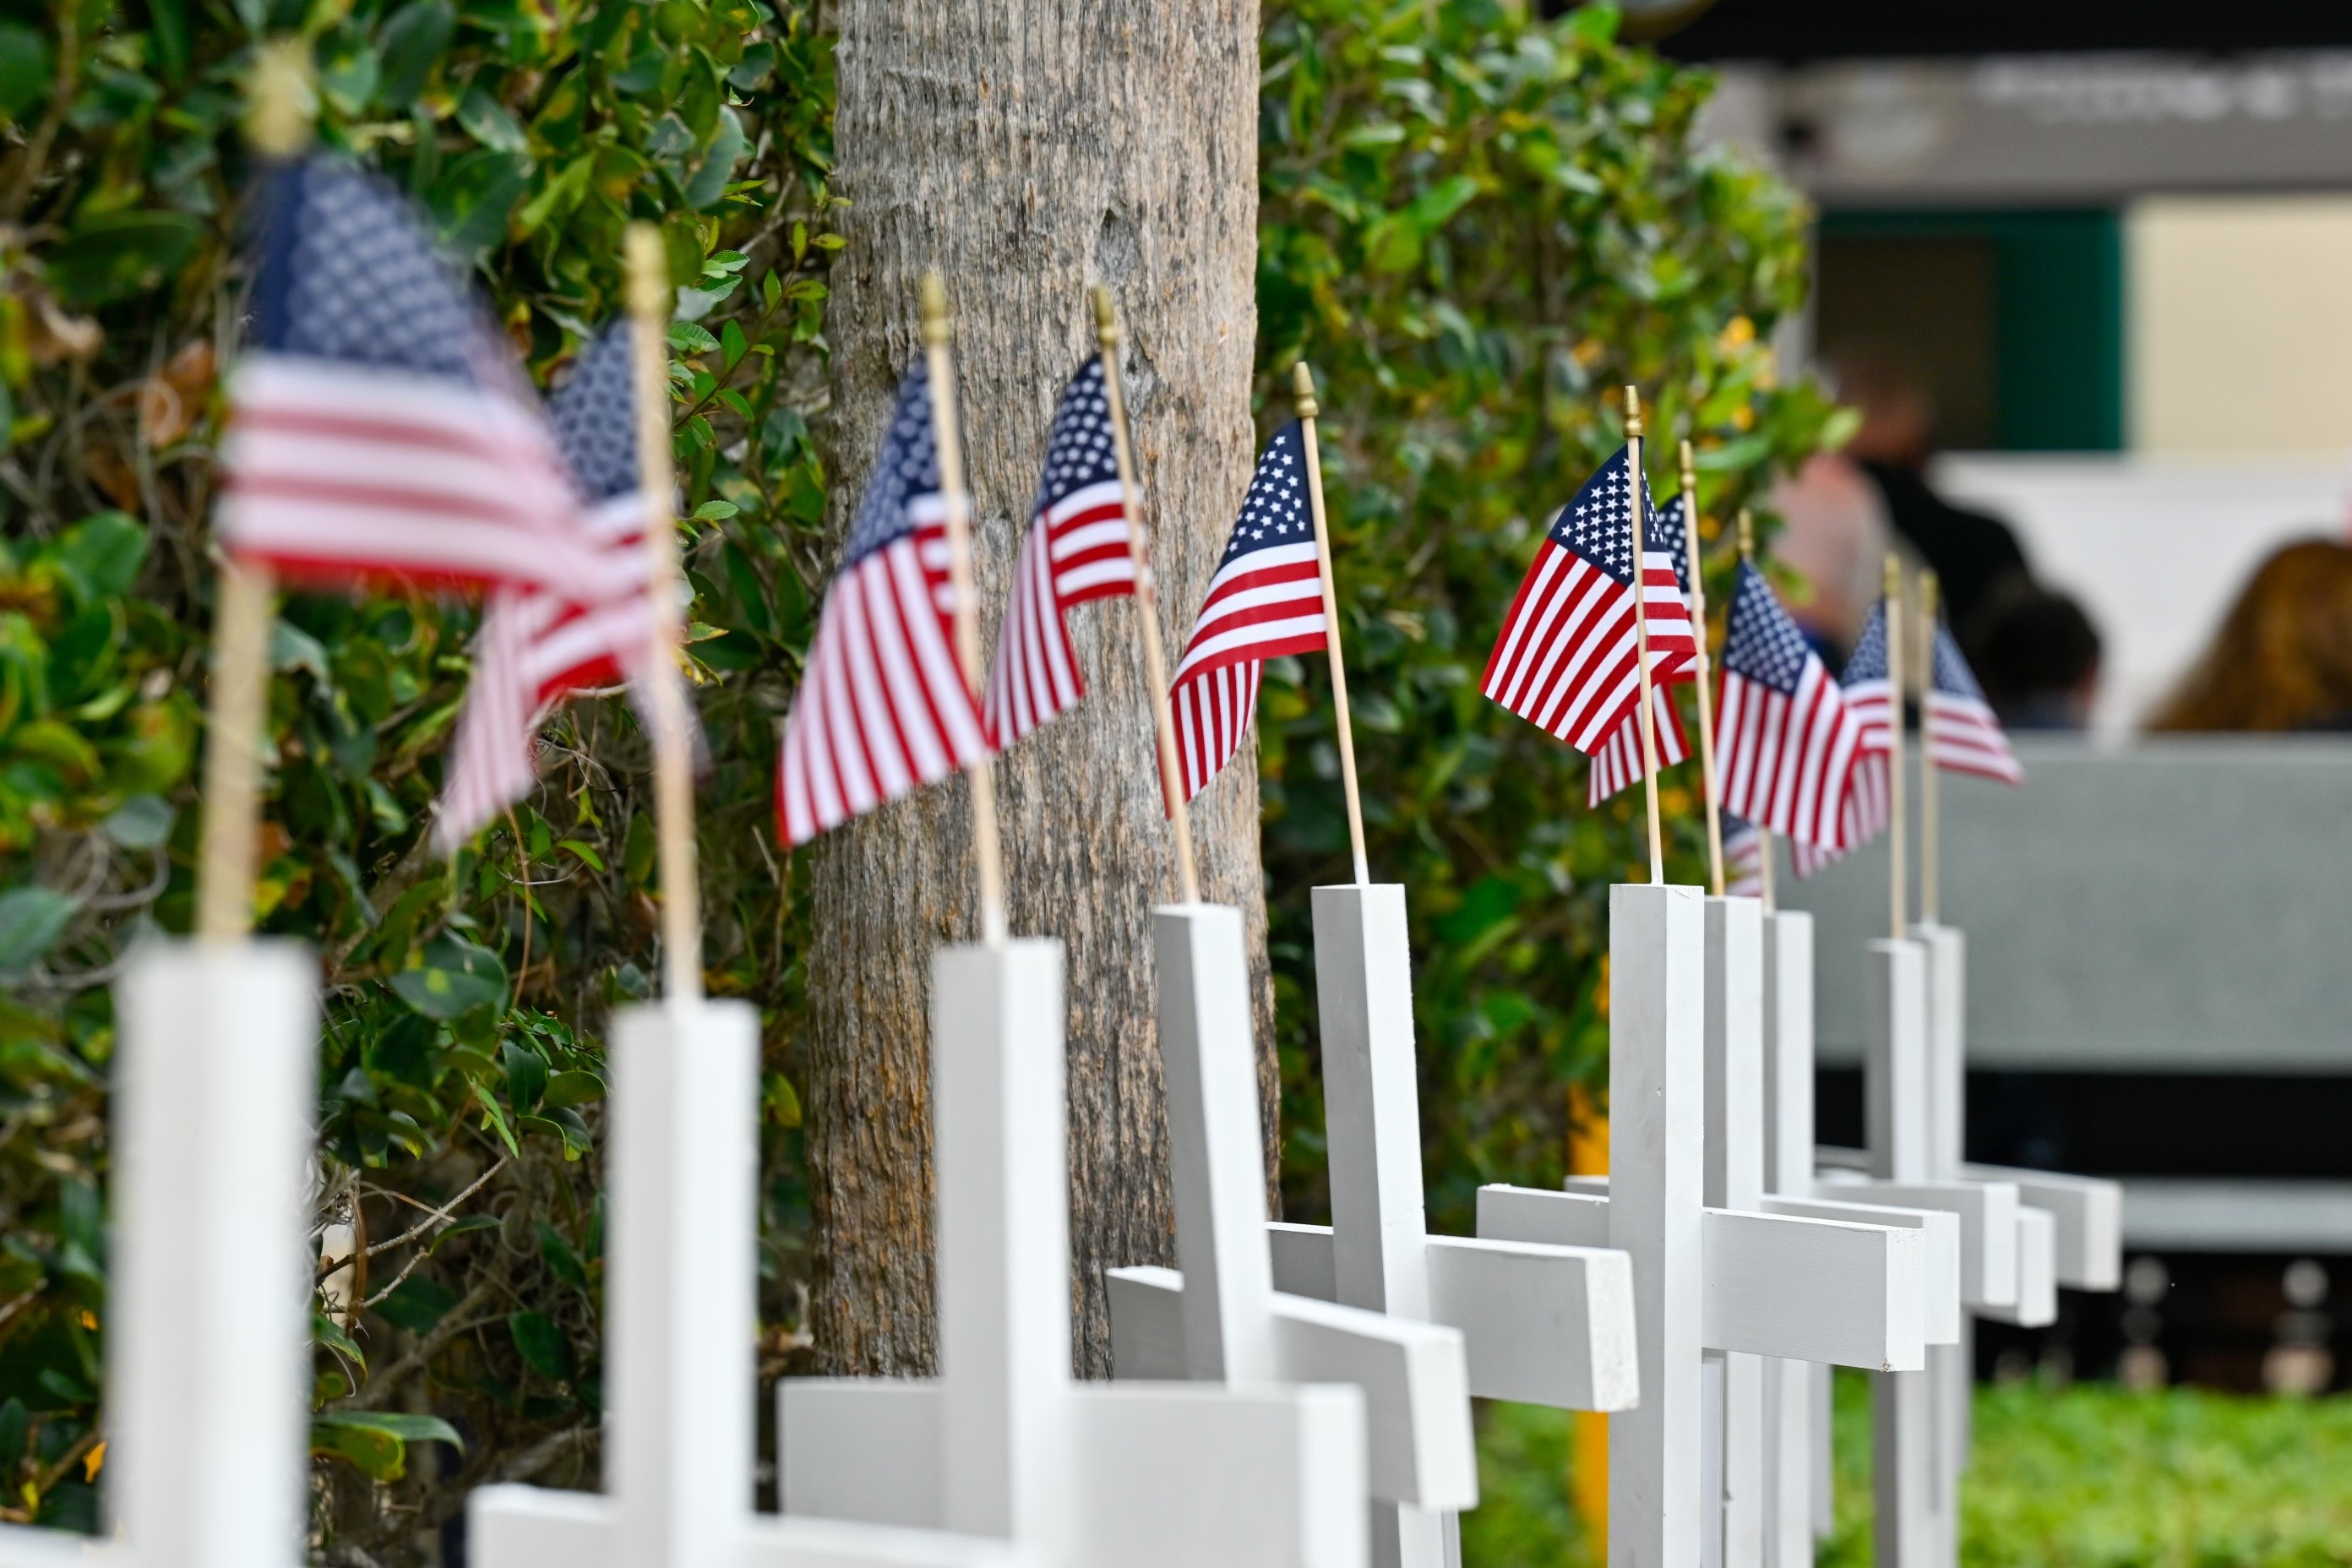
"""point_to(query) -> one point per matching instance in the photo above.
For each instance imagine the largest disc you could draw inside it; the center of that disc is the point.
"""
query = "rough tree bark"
(1029, 148)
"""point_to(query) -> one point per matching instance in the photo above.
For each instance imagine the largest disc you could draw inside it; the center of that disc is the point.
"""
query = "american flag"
(1266, 599)
(1963, 735)
(1743, 859)
(1566, 659)
(1076, 549)
(1617, 765)
(1868, 795)
(536, 645)
(883, 705)
(381, 428)
(1673, 650)
(1784, 739)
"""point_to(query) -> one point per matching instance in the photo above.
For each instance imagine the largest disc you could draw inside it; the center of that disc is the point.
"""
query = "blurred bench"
(2176, 913)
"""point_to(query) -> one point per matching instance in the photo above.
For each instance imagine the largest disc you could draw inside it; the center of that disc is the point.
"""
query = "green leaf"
(486, 120)
(376, 1441)
(559, 1257)
(102, 554)
(526, 1073)
(31, 920)
(24, 70)
(710, 182)
(143, 822)
(115, 254)
(574, 1088)
(586, 853)
(498, 1120)
(411, 44)
(688, 338)
(325, 1331)
(418, 1303)
(451, 976)
(541, 1345)
(779, 1100)
(463, 1224)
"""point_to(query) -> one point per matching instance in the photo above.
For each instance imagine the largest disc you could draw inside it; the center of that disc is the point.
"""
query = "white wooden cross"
(1002, 1443)
(681, 1326)
(1543, 1324)
(215, 1093)
(1706, 1277)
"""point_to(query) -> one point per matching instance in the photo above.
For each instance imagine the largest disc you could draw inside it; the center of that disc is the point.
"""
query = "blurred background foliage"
(1478, 226)
(1475, 224)
(462, 1066)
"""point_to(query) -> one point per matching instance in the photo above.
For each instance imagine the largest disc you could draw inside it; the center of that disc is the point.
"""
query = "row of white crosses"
(2021, 1234)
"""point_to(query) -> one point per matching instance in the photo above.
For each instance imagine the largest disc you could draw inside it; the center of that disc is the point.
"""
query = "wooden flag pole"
(937, 331)
(1706, 698)
(650, 300)
(1764, 854)
(1895, 695)
(1146, 602)
(1303, 384)
(277, 127)
(1928, 834)
(1635, 486)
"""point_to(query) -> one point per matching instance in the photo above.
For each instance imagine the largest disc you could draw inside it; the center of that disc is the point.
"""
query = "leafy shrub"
(461, 1060)
(1477, 226)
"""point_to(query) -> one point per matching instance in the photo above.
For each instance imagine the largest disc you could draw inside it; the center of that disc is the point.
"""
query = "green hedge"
(1474, 231)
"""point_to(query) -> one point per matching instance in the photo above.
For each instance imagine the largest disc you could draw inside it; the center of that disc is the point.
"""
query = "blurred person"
(2283, 659)
(2035, 653)
(1834, 532)
(1971, 551)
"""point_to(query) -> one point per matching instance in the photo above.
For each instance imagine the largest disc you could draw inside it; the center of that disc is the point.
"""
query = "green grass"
(2090, 1477)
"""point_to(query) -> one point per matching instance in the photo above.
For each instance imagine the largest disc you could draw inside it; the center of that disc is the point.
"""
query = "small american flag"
(1673, 659)
(1266, 599)
(380, 429)
(1566, 659)
(537, 645)
(1962, 734)
(1076, 549)
(1868, 800)
(1617, 765)
(883, 705)
(1743, 859)
(1784, 737)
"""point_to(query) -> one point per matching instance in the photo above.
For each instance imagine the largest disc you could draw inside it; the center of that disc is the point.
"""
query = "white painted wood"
(1264, 1476)
(1941, 1261)
(1908, 1529)
(1988, 1215)
(1215, 1148)
(1789, 1440)
(1789, 1053)
(1736, 1138)
(216, 1090)
(681, 1308)
(2037, 1276)
(1423, 1452)
(1657, 1129)
(1947, 1032)
(1409, 1371)
(2087, 1216)
(1538, 1324)
(1825, 1290)
(1895, 1070)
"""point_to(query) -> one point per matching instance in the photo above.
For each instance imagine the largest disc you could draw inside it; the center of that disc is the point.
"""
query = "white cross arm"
(32, 1546)
(544, 1529)
(1241, 1477)
(2089, 1216)
(1852, 1295)
(2037, 1274)
(1416, 1391)
(1542, 1325)
(1940, 1230)
(1988, 1211)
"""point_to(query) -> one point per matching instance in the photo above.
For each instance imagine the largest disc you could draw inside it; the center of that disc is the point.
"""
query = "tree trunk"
(1029, 148)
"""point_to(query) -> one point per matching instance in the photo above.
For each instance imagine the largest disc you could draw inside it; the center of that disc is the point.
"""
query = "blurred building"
(2116, 241)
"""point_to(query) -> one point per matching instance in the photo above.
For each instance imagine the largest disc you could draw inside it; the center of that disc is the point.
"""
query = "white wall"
(2155, 546)
(2239, 311)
